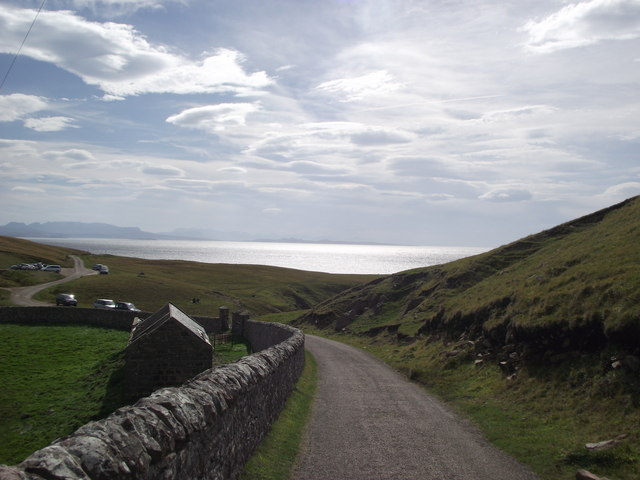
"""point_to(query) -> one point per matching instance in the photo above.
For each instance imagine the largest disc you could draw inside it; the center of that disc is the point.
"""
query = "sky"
(414, 122)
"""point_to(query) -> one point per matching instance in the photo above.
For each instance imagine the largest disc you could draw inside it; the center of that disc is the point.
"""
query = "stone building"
(165, 350)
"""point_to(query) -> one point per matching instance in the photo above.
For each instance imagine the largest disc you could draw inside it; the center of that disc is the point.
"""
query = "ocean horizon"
(338, 258)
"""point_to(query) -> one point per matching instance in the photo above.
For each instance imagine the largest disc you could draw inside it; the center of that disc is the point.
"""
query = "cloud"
(115, 8)
(272, 210)
(381, 136)
(75, 154)
(214, 118)
(16, 106)
(162, 170)
(584, 23)
(367, 85)
(29, 190)
(622, 190)
(503, 195)
(49, 124)
(119, 60)
(517, 113)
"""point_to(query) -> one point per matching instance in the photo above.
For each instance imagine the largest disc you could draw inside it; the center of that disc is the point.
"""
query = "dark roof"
(167, 313)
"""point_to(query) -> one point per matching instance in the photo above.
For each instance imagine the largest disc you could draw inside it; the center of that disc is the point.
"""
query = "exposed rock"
(605, 444)
(54, 463)
(586, 475)
(12, 473)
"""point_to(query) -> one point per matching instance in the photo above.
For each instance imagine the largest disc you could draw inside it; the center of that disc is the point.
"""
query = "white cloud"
(48, 124)
(28, 189)
(162, 170)
(16, 106)
(113, 8)
(121, 61)
(214, 118)
(507, 195)
(367, 85)
(75, 154)
(516, 113)
(272, 210)
(584, 23)
(622, 190)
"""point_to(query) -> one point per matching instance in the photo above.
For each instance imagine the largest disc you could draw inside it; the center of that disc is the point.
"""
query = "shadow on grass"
(114, 391)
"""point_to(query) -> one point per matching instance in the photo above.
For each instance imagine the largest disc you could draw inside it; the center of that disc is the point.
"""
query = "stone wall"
(115, 319)
(206, 429)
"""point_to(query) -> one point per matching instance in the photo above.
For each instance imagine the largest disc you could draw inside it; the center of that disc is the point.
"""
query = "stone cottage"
(164, 350)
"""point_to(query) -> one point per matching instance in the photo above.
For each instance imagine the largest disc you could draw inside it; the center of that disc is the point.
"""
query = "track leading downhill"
(22, 296)
(370, 423)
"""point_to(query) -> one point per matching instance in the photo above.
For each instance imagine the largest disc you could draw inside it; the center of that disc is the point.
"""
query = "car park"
(66, 299)
(126, 306)
(104, 304)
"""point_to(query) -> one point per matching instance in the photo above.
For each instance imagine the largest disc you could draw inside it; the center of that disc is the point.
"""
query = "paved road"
(22, 295)
(370, 423)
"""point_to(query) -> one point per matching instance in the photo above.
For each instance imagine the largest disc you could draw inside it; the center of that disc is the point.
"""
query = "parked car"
(97, 266)
(104, 304)
(126, 306)
(66, 299)
(104, 270)
(52, 268)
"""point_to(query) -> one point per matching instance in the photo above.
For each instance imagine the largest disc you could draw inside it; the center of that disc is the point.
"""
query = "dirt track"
(22, 296)
(370, 423)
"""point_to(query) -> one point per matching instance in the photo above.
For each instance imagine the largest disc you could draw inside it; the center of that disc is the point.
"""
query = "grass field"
(55, 379)
(152, 283)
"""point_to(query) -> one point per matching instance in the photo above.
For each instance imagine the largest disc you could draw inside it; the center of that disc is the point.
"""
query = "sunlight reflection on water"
(320, 257)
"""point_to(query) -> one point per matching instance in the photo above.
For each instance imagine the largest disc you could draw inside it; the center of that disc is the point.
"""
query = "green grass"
(257, 289)
(25, 278)
(275, 457)
(229, 352)
(54, 380)
(16, 250)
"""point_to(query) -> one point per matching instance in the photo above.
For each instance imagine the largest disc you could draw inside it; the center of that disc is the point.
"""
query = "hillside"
(536, 341)
(575, 286)
(152, 283)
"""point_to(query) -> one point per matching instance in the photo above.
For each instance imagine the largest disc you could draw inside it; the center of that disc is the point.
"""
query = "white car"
(52, 268)
(104, 304)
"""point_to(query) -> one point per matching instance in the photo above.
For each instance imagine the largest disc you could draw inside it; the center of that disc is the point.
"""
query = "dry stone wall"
(115, 319)
(205, 429)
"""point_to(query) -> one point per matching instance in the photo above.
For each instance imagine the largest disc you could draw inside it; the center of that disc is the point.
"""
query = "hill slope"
(537, 341)
(575, 286)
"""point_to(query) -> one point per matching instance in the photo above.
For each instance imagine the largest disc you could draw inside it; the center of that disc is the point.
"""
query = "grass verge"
(41, 399)
(275, 457)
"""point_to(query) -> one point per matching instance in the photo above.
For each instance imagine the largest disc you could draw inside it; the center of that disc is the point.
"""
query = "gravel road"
(22, 295)
(370, 423)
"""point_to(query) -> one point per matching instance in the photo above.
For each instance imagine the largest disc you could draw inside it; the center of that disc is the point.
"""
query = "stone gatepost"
(223, 314)
(237, 325)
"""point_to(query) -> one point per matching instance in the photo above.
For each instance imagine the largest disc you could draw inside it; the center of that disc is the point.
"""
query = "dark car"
(66, 299)
(126, 306)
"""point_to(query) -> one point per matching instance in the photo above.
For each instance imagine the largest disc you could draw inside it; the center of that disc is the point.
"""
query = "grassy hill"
(573, 286)
(152, 283)
(538, 340)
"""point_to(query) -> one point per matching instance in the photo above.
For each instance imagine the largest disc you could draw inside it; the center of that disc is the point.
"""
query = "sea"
(317, 257)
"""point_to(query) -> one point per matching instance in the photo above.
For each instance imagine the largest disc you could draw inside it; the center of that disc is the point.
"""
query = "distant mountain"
(75, 229)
